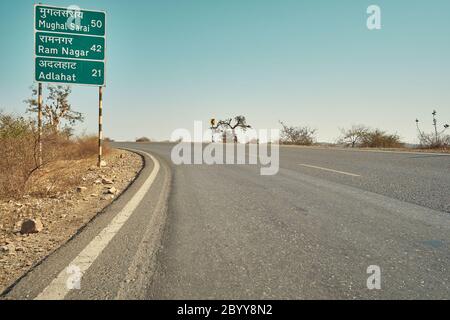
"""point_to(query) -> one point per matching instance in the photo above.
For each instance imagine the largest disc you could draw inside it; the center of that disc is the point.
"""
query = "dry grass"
(85, 147)
(19, 161)
(62, 210)
(19, 164)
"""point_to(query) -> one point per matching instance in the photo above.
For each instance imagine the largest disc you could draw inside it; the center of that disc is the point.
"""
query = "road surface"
(309, 232)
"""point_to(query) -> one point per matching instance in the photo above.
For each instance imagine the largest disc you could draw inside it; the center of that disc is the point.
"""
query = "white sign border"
(64, 33)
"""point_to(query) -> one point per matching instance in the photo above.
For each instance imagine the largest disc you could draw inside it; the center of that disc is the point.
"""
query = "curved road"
(308, 232)
(311, 231)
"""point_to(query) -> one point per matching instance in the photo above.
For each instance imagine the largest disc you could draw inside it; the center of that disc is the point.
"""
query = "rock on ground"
(31, 226)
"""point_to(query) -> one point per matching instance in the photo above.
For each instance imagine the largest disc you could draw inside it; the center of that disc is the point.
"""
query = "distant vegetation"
(291, 135)
(143, 139)
(229, 127)
(361, 136)
(365, 137)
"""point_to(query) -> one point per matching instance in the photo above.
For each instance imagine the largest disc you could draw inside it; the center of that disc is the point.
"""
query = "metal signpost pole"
(40, 123)
(100, 126)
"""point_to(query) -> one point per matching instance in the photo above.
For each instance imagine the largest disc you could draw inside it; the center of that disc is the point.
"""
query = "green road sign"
(70, 45)
(70, 71)
(69, 20)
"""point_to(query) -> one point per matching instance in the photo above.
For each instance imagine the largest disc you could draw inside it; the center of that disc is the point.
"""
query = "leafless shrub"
(56, 109)
(354, 136)
(291, 135)
(436, 140)
(365, 137)
(380, 139)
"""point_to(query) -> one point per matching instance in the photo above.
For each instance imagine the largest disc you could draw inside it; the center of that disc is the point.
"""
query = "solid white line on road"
(59, 287)
(330, 170)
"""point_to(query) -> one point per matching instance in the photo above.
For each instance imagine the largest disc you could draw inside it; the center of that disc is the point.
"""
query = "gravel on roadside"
(61, 210)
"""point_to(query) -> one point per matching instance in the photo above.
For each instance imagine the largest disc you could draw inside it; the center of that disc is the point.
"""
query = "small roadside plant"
(434, 140)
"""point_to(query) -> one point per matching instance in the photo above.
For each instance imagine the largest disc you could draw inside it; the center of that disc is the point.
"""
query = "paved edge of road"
(320, 147)
(375, 150)
(125, 196)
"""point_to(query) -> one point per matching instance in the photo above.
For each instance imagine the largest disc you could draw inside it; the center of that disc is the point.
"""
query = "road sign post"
(70, 48)
(100, 126)
(40, 124)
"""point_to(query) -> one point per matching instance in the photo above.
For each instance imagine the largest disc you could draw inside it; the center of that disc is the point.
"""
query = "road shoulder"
(39, 277)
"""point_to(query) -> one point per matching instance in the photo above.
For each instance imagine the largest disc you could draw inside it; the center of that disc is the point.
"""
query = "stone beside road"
(31, 226)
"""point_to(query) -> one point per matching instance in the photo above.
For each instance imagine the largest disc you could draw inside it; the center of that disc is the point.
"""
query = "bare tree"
(56, 108)
(438, 139)
(297, 135)
(353, 136)
(233, 124)
(362, 136)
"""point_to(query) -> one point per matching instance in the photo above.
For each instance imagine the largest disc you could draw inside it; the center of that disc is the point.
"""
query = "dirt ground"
(65, 196)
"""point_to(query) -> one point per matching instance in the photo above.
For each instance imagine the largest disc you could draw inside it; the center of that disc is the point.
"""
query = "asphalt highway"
(309, 232)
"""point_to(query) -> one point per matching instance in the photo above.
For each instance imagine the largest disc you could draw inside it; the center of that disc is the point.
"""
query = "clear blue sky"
(310, 62)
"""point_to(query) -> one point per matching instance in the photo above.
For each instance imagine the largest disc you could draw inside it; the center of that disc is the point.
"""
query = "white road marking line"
(331, 170)
(58, 288)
